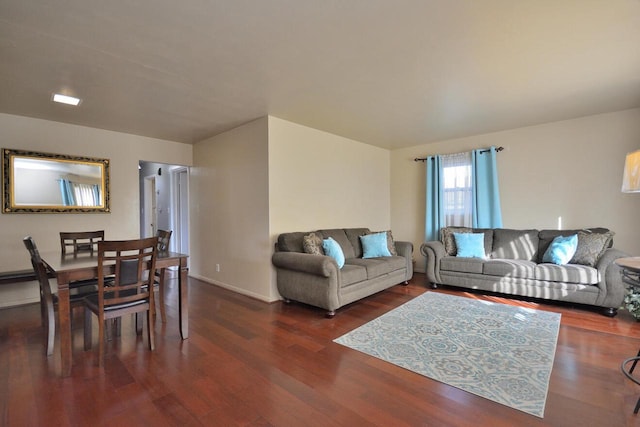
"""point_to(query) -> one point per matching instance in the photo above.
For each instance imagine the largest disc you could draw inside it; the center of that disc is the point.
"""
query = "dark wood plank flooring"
(248, 363)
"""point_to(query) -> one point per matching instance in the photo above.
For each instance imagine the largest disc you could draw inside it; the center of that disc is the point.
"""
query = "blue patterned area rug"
(496, 351)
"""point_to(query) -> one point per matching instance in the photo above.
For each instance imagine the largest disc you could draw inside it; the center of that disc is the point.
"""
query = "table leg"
(64, 322)
(183, 299)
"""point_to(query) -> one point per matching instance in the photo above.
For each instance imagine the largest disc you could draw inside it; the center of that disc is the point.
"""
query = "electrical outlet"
(217, 268)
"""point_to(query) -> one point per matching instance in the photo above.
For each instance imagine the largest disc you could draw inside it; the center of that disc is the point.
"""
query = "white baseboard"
(233, 288)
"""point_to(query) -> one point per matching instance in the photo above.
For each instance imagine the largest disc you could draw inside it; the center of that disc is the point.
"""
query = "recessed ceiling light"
(64, 99)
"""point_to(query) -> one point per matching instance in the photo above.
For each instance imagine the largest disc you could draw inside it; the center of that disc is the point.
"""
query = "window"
(457, 190)
(461, 190)
(79, 194)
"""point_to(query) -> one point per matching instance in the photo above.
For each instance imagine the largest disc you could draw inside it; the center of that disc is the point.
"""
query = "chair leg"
(43, 311)
(110, 329)
(101, 343)
(113, 328)
(161, 292)
(138, 323)
(50, 327)
(87, 329)
(150, 331)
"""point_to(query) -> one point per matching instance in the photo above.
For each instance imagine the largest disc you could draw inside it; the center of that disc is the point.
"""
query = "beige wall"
(229, 210)
(320, 180)
(271, 176)
(570, 169)
(124, 151)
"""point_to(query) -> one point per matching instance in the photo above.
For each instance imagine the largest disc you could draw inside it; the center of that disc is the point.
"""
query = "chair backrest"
(164, 237)
(39, 267)
(80, 241)
(135, 265)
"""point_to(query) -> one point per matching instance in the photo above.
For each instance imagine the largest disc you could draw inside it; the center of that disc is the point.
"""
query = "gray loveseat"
(315, 279)
(513, 265)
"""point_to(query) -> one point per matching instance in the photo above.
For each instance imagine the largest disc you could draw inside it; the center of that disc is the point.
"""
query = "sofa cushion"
(488, 238)
(510, 268)
(350, 274)
(515, 244)
(333, 249)
(340, 236)
(462, 265)
(590, 248)
(291, 242)
(570, 273)
(470, 245)
(547, 236)
(312, 244)
(353, 234)
(378, 266)
(374, 245)
(561, 250)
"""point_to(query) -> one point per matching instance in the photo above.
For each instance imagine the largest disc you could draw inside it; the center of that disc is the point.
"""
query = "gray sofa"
(513, 265)
(315, 279)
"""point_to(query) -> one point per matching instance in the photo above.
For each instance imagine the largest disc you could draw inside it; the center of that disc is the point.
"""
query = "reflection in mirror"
(43, 182)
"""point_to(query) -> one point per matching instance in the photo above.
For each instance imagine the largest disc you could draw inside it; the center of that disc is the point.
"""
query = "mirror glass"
(45, 182)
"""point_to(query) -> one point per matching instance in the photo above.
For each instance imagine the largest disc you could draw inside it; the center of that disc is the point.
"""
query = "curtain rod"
(424, 159)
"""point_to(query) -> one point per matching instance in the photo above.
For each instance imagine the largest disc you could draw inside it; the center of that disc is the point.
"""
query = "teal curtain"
(486, 193)
(66, 190)
(95, 189)
(485, 204)
(74, 194)
(434, 218)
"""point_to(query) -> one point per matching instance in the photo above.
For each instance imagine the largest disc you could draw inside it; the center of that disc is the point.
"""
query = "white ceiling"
(391, 73)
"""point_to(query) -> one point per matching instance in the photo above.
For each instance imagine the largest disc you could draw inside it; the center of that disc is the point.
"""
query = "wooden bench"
(9, 277)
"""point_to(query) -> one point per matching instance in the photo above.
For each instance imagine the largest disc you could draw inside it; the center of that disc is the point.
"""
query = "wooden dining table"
(69, 268)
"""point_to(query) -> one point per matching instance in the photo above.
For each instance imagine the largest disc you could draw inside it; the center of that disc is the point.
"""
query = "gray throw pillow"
(591, 246)
(312, 244)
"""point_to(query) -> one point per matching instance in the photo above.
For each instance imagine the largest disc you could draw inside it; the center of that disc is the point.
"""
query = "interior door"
(181, 211)
(150, 207)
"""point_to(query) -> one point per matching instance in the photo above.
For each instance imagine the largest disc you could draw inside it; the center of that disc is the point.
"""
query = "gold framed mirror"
(35, 182)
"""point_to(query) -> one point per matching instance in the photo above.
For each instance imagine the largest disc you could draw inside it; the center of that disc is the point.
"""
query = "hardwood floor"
(248, 363)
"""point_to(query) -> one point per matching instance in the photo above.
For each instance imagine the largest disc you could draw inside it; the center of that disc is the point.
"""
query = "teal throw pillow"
(333, 249)
(374, 245)
(470, 245)
(561, 250)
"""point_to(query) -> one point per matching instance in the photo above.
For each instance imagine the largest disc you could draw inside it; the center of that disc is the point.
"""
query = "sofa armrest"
(310, 279)
(319, 265)
(612, 288)
(433, 251)
(405, 249)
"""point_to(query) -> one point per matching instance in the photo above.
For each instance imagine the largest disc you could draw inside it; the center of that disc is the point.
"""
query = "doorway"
(180, 178)
(164, 204)
(150, 207)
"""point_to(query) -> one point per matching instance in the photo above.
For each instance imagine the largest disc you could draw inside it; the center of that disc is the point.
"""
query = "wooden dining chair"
(48, 299)
(80, 241)
(164, 238)
(130, 291)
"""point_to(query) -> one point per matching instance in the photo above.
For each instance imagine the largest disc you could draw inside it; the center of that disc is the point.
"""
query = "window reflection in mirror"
(44, 182)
